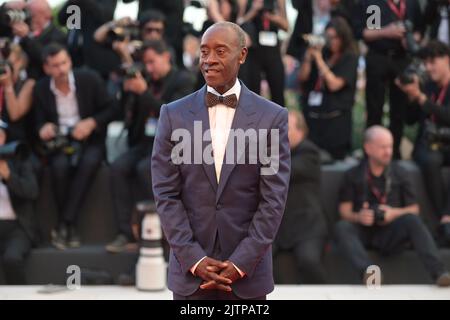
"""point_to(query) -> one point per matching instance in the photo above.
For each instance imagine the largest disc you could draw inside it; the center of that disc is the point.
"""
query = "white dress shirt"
(6, 209)
(66, 105)
(220, 120)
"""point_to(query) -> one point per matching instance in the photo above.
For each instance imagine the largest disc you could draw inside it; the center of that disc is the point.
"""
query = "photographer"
(118, 34)
(264, 18)
(16, 92)
(18, 228)
(34, 31)
(432, 148)
(328, 82)
(144, 93)
(379, 209)
(72, 112)
(390, 47)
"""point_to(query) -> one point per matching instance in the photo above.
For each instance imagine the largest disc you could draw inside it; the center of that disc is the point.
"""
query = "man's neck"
(226, 87)
(375, 168)
(63, 85)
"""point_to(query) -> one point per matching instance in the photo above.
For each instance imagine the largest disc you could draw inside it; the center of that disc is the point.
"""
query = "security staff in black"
(379, 210)
(387, 57)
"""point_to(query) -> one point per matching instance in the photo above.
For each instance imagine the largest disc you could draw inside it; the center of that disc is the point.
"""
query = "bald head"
(377, 133)
(235, 29)
(41, 7)
(378, 144)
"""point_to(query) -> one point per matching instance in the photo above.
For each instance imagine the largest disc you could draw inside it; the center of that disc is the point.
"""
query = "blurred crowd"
(60, 87)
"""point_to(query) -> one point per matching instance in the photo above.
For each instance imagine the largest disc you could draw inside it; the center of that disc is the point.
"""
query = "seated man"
(379, 209)
(18, 189)
(72, 111)
(303, 229)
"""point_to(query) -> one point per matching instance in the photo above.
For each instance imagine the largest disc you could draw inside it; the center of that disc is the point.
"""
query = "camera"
(416, 68)
(14, 150)
(66, 144)
(121, 33)
(437, 136)
(10, 16)
(315, 40)
(268, 6)
(130, 71)
(378, 214)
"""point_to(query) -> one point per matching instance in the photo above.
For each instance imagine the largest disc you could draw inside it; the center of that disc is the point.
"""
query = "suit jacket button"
(218, 207)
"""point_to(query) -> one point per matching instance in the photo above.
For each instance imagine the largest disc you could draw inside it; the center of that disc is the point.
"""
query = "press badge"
(315, 98)
(150, 127)
(268, 38)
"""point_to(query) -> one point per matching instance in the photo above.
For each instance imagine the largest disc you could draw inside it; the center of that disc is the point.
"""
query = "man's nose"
(211, 59)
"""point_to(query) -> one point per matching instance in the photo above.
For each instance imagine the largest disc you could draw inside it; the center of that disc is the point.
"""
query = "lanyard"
(381, 197)
(399, 12)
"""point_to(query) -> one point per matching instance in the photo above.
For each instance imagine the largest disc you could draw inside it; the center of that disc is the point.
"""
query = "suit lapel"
(244, 117)
(199, 112)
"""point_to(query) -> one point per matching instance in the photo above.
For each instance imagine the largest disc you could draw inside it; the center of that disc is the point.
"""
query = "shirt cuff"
(241, 273)
(194, 267)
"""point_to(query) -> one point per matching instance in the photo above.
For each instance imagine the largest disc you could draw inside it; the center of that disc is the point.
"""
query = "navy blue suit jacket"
(243, 211)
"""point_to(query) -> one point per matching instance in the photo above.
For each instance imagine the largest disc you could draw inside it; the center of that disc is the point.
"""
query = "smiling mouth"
(209, 71)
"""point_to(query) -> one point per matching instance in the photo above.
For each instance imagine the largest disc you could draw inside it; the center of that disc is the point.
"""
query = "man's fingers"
(213, 269)
(219, 279)
(213, 285)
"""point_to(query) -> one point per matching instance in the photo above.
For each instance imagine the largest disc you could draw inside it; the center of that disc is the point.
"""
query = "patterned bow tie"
(212, 100)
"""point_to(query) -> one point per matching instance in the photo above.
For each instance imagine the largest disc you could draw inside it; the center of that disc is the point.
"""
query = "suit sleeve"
(273, 189)
(23, 182)
(166, 181)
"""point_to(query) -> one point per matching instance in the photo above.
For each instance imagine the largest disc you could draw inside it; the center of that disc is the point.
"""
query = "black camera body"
(66, 144)
(415, 69)
(378, 214)
(9, 16)
(437, 135)
(130, 71)
(121, 33)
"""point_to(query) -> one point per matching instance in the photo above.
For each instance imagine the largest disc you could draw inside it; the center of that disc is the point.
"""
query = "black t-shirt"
(343, 99)
(356, 189)
(413, 13)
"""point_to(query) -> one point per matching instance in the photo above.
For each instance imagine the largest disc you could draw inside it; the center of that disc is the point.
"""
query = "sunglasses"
(150, 30)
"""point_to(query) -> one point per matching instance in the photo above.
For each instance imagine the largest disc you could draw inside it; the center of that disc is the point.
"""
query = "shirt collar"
(71, 84)
(235, 89)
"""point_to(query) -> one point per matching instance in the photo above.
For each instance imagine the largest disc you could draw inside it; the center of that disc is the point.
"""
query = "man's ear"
(243, 55)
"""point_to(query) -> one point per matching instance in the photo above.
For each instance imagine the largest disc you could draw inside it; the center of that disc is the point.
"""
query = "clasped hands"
(216, 274)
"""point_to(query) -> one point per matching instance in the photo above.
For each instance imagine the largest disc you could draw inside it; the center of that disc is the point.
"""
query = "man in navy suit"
(220, 216)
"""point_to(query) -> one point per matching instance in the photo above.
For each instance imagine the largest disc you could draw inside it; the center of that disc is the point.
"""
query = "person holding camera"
(16, 92)
(34, 29)
(18, 227)
(262, 19)
(390, 46)
(72, 112)
(119, 34)
(378, 208)
(328, 78)
(432, 148)
(145, 91)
